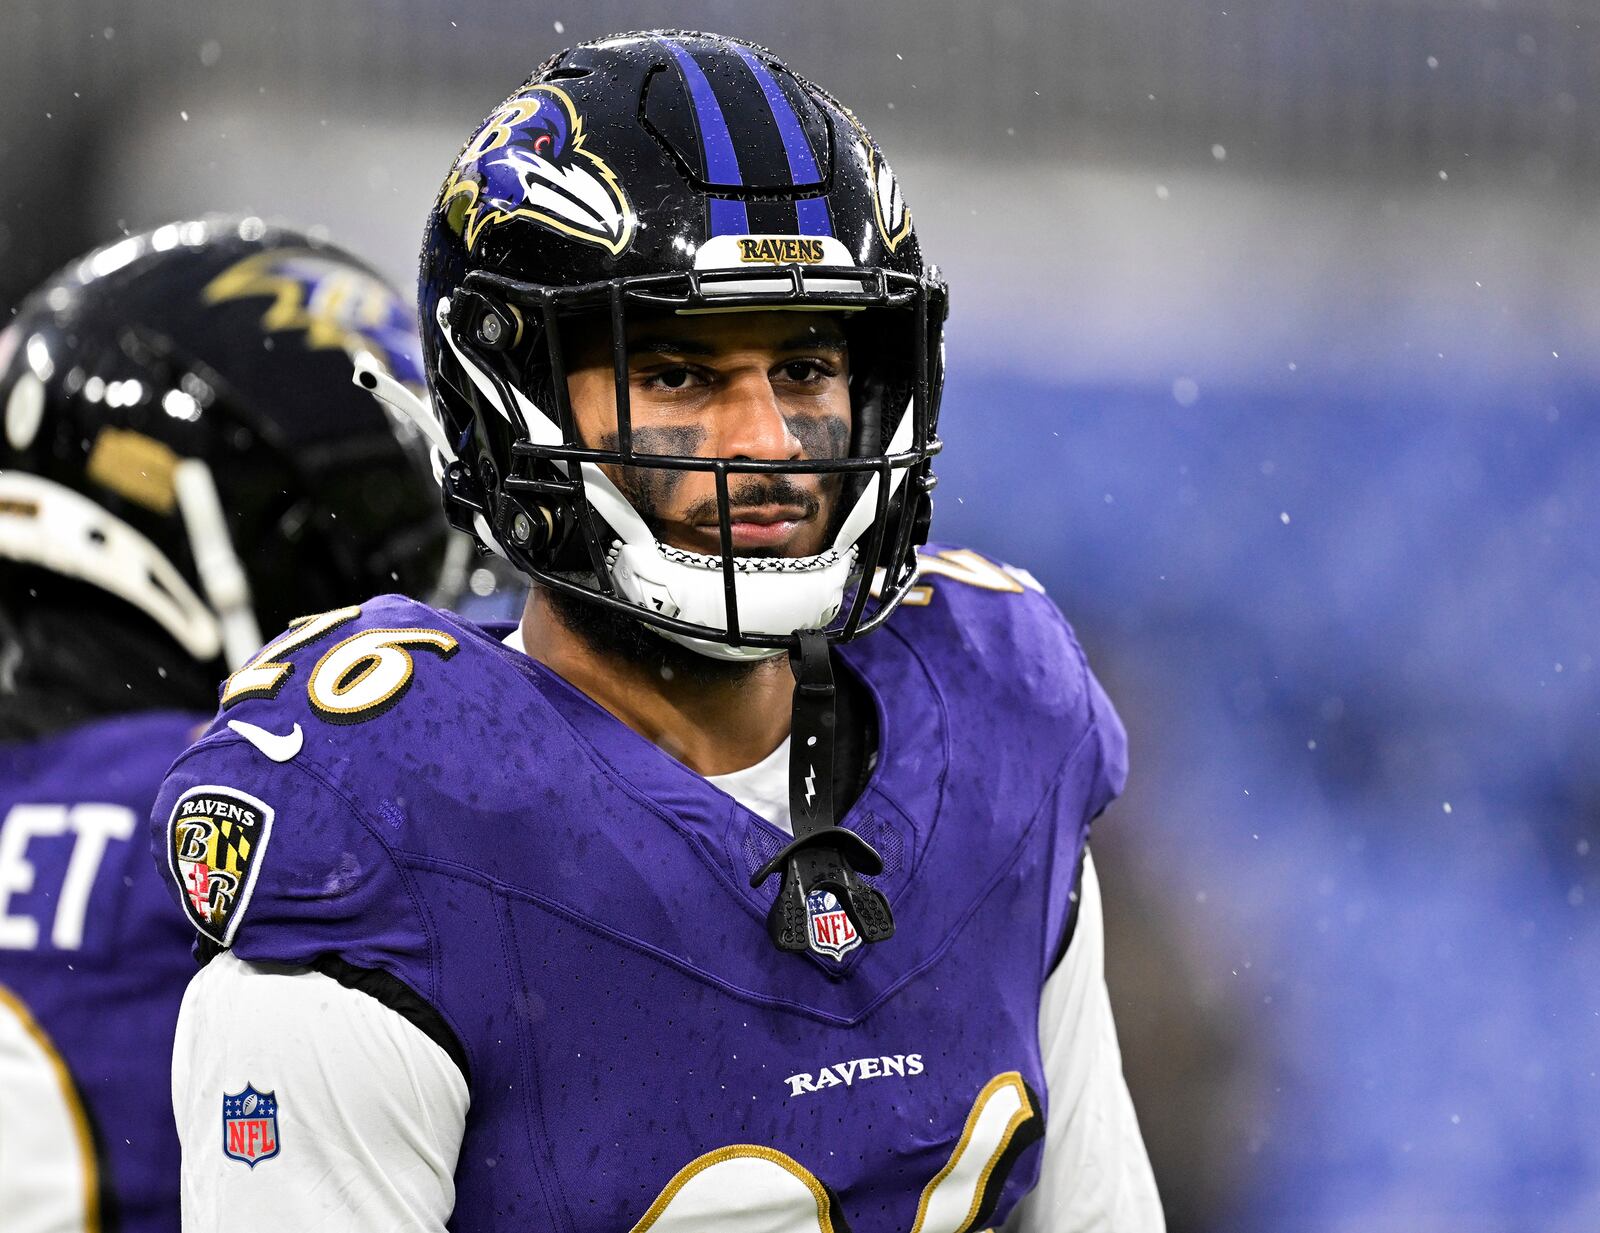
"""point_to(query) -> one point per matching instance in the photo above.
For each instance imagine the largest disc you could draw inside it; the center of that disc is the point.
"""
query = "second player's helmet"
(181, 431)
(690, 173)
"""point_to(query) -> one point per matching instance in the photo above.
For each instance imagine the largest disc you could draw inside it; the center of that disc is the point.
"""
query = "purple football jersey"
(93, 964)
(575, 907)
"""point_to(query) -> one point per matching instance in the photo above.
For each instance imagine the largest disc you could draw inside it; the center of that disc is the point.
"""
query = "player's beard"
(616, 633)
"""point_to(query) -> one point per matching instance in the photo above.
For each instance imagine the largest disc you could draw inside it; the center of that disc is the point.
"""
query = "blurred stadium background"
(1274, 354)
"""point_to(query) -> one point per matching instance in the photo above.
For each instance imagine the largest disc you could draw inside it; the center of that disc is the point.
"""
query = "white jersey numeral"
(49, 1179)
(368, 672)
(264, 675)
(955, 1196)
(356, 679)
(741, 1189)
(748, 1189)
(964, 566)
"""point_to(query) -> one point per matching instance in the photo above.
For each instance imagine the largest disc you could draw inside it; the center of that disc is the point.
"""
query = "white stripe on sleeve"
(370, 1111)
(1095, 1176)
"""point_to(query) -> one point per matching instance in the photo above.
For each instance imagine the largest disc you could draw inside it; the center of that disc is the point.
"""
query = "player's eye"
(675, 377)
(804, 372)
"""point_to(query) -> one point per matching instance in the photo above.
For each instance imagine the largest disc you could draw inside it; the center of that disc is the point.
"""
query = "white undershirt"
(372, 1111)
(763, 789)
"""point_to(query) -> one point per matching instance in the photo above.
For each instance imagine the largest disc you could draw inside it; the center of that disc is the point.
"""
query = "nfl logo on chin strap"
(832, 934)
(822, 904)
(250, 1125)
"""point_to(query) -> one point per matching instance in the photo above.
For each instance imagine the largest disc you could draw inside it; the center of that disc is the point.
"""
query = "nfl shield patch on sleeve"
(250, 1125)
(215, 840)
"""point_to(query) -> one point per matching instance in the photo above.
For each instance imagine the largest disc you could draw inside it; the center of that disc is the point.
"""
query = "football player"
(738, 888)
(184, 462)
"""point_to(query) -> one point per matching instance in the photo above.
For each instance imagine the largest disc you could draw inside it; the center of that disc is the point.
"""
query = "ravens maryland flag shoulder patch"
(215, 840)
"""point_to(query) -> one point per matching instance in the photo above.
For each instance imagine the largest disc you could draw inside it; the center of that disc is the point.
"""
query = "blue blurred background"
(1274, 356)
(1352, 634)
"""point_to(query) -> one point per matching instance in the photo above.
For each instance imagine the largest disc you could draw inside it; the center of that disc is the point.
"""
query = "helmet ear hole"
(881, 380)
(866, 414)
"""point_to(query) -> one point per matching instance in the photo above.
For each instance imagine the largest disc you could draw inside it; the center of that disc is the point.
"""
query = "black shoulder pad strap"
(205, 950)
(855, 739)
(390, 990)
(1071, 926)
(403, 1000)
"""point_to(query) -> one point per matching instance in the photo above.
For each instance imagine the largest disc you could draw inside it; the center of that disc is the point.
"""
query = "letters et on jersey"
(93, 962)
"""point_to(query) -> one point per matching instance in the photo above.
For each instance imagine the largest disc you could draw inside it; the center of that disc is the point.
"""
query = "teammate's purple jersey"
(93, 964)
(575, 905)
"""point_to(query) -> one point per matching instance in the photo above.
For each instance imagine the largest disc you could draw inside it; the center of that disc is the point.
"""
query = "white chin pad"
(776, 595)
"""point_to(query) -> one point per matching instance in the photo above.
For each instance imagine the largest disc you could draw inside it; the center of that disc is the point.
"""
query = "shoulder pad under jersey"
(999, 644)
(277, 830)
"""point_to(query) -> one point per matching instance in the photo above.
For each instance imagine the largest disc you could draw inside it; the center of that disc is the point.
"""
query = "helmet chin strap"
(774, 595)
(823, 857)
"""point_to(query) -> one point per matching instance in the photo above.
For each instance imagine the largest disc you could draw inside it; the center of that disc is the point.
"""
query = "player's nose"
(750, 422)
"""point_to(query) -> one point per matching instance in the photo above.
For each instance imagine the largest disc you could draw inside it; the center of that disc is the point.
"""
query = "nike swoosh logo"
(278, 748)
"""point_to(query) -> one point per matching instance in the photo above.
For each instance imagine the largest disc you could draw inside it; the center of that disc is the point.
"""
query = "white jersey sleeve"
(1095, 1176)
(370, 1111)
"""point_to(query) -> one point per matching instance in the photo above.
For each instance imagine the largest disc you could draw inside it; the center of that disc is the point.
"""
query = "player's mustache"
(754, 491)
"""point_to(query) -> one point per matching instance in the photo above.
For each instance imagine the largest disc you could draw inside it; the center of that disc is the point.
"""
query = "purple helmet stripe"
(728, 217)
(812, 211)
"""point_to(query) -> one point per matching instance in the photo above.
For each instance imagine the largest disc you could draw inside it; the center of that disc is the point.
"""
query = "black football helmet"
(181, 431)
(678, 172)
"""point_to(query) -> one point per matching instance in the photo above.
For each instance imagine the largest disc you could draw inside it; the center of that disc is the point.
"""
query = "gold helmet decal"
(329, 301)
